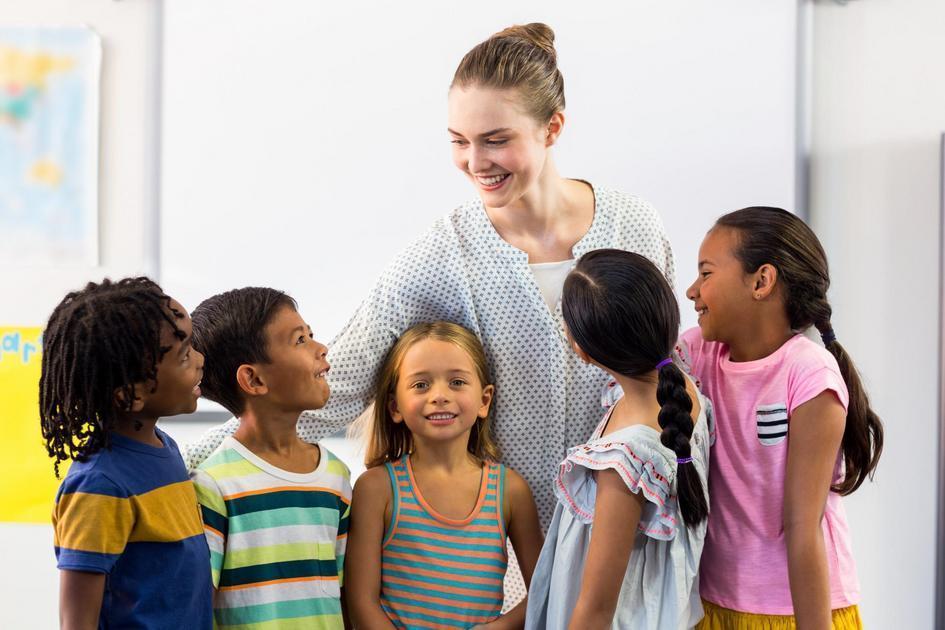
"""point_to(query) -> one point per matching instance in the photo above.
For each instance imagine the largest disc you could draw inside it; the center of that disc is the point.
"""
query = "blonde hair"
(521, 58)
(388, 440)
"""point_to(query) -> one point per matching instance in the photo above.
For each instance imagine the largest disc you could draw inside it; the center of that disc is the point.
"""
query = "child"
(275, 508)
(432, 512)
(624, 543)
(129, 542)
(795, 428)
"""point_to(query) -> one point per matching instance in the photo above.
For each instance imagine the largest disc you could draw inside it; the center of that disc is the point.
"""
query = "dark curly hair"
(99, 340)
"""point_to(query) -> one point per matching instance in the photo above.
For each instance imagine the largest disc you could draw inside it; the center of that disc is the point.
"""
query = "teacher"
(497, 265)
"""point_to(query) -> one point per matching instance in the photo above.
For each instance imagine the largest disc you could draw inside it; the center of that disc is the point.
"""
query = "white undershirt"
(550, 278)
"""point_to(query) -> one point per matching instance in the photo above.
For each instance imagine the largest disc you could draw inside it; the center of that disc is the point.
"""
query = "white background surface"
(310, 139)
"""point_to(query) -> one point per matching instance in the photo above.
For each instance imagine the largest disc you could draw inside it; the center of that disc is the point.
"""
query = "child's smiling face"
(178, 372)
(295, 374)
(438, 394)
(722, 291)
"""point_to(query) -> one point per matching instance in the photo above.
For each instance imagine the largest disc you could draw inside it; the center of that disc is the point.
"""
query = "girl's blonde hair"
(388, 440)
(522, 58)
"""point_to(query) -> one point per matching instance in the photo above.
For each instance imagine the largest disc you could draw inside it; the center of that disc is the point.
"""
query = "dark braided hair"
(776, 237)
(99, 340)
(621, 311)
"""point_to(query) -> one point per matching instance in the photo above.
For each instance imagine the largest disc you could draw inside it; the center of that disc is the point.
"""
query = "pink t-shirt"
(744, 563)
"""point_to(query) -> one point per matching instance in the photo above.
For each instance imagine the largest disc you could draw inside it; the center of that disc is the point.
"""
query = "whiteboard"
(304, 143)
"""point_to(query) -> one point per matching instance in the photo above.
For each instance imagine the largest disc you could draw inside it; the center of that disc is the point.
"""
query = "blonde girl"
(432, 514)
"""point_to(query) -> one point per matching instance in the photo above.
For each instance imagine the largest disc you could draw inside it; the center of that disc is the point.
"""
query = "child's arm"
(370, 511)
(816, 431)
(616, 516)
(521, 521)
(80, 599)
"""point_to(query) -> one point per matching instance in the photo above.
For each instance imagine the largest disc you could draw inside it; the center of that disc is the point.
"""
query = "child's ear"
(764, 281)
(487, 393)
(578, 350)
(121, 399)
(249, 378)
(394, 411)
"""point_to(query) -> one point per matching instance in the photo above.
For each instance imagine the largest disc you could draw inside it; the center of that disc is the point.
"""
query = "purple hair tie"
(683, 460)
(663, 362)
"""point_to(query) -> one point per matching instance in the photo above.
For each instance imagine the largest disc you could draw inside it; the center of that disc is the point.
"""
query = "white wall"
(129, 160)
(879, 110)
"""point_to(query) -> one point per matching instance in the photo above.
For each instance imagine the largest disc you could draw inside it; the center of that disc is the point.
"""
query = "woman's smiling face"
(496, 143)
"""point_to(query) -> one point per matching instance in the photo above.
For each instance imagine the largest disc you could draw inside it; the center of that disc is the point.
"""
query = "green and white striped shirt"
(277, 539)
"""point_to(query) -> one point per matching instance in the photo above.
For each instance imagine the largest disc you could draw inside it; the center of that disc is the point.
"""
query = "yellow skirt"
(718, 618)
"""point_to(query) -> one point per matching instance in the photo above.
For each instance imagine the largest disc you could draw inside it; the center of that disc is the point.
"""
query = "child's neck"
(271, 434)
(448, 457)
(638, 405)
(138, 429)
(762, 340)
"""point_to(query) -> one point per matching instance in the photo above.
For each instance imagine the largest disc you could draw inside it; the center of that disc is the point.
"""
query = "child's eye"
(419, 385)
(457, 382)
(300, 340)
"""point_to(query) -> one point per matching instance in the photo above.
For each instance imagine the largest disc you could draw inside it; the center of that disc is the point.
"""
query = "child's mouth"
(440, 419)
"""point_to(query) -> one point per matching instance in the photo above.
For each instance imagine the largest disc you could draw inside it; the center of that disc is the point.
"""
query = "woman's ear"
(250, 380)
(764, 281)
(554, 128)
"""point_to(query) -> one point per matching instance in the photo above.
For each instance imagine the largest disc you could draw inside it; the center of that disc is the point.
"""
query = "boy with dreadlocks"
(129, 540)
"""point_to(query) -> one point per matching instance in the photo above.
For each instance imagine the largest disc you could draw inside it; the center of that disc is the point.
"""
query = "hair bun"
(535, 33)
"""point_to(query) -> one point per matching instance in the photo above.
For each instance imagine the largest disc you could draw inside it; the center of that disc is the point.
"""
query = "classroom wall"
(129, 160)
(879, 109)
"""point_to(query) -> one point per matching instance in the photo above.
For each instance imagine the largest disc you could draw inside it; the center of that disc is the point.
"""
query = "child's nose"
(693, 291)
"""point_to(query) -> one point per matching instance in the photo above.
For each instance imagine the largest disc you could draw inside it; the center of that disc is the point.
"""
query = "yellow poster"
(28, 490)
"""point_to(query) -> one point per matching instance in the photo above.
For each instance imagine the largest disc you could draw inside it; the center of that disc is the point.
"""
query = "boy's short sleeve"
(92, 522)
(215, 520)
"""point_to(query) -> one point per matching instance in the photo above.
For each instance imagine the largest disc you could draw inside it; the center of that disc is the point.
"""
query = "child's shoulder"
(334, 465)
(94, 476)
(802, 353)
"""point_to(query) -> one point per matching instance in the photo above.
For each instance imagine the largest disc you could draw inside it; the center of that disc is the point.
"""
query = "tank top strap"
(400, 489)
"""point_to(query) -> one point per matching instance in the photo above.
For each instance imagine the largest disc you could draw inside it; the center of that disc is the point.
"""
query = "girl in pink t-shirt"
(794, 429)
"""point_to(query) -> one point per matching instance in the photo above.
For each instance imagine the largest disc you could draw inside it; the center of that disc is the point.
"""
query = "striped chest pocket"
(772, 423)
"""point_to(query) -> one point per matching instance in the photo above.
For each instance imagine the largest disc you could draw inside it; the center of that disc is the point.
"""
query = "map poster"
(49, 113)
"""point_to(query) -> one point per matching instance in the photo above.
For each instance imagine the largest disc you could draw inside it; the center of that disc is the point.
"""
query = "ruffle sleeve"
(643, 466)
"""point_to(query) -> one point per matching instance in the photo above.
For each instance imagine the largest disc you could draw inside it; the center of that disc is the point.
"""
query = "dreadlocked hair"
(99, 341)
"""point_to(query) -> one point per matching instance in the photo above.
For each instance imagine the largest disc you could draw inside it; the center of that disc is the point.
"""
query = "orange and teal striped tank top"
(439, 572)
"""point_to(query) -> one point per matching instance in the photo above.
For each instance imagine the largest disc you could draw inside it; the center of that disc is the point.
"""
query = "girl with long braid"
(795, 428)
(624, 543)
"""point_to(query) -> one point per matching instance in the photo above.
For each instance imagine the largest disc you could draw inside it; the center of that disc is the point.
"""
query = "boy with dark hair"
(275, 508)
(129, 542)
